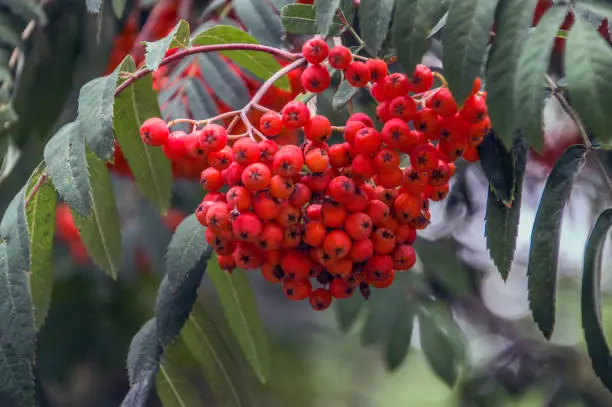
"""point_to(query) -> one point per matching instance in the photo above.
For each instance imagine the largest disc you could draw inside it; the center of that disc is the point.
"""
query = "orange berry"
(239, 198)
(297, 290)
(341, 268)
(295, 264)
(320, 299)
(383, 240)
(333, 215)
(404, 257)
(264, 206)
(288, 215)
(337, 244)
(271, 237)
(358, 226)
(314, 234)
(362, 250)
(281, 187)
(317, 160)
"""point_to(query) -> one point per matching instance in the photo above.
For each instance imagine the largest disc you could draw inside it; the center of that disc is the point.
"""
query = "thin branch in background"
(558, 94)
(41, 181)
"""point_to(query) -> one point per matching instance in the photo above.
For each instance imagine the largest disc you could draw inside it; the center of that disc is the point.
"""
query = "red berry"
(271, 237)
(363, 166)
(246, 226)
(288, 215)
(221, 159)
(386, 160)
(396, 133)
(270, 124)
(281, 187)
(256, 177)
(339, 289)
(358, 226)
(154, 132)
(317, 160)
(383, 113)
(395, 85)
(227, 262)
(267, 150)
(296, 264)
(318, 129)
(337, 244)
(390, 179)
(248, 256)
(320, 299)
(232, 175)
(245, 151)
(378, 69)
(239, 198)
(357, 74)
(358, 203)
(297, 290)
(415, 181)
(427, 121)
(315, 78)
(422, 79)
(378, 92)
(295, 115)
(315, 50)
(339, 155)
(174, 148)
(474, 109)
(403, 107)
(361, 117)
(351, 129)
(405, 234)
(442, 102)
(340, 57)
(404, 257)
(342, 189)
(383, 240)
(211, 179)
(439, 175)
(265, 207)
(367, 141)
(288, 161)
(453, 128)
(361, 251)
(213, 137)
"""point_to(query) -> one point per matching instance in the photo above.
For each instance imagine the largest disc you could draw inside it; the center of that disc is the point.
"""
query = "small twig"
(576, 119)
(263, 109)
(210, 48)
(41, 181)
(338, 128)
(232, 123)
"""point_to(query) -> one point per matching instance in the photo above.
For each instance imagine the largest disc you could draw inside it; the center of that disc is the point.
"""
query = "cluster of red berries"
(339, 217)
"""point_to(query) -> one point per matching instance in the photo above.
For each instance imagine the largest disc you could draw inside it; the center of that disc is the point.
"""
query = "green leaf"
(442, 343)
(601, 8)
(173, 383)
(512, 23)
(382, 309)
(16, 376)
(178, 37)
(498, 166)
(101, 232)
(348, 310)
(325, 12)
(400, 336)
(597, 346)
(142, 364)
(465, 39)
(347, 8)
(14, 232)
(589, 79)
(207, 346)
(261, 21)
(10, 157)
(242, 314)
(225, 83)
(532, 66)
(448, 271)
(94, 6)
(149, 166)
(375, 17)
(501, 227)
(201, 104)
(544, 252)
(95, 119)
(119, 7)
(302, 19)
(186, 259)
(343, 95)
(10, 30)
(40, 214)
(259, 63)
(412, 23)
(65, 158)
(26, 9)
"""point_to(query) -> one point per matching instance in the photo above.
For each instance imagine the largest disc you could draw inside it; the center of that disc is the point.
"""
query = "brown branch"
(41, 181)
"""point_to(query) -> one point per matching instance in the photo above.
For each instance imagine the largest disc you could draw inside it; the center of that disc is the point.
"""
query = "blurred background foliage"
(330, 359)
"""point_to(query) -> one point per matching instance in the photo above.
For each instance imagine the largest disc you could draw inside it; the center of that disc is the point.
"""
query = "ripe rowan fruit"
(383, 112)
(478, 131)
(415, 181)
(403, 107)
(295, 115)
(297, 290)
(474, 109)
(363, 166)
(379, 266)
(406, 207)
(358, 203)
(453, 128)
(395, 132)
(221, 159)
(385, 281)
(341, 268)
(339, 289)
(383, 240)
(424, 158)
(358, 226)
(378, 69)
(245, 151)
(317, 160)
(439, 175)
(435, 193)
(390, 179)
(405, 234)
(318, 129)
(267, 150)
(265, 207)
(471, 154)
(271, 237)
(315, 50)
(192, 145)
(395, 85)
(256, 177)
(340, 57)
(295, 264)
(357, 74)
(281, 187)
(246, 227)
(339, 155)
(341, 189)
(314, 233)
(273, 273)
(315, 78)
(426, 121)
(404, 257)
(443, 103)
(248, 256)
(333, 215)
(361, 117)
(422, 79)
(292, 236)
(213, 137)
(367, 141)
(301, 195)
(378, 211)
(154, 132)
(387, 195)
(211, 179)
(227, 263)
(288, 161)
(174, 147)
(288, 215)
(270, 124)
(317, 182)
(361, 250)
(200, 213)
(217, 215)
(337, 244)
(320, 299)
(451, 150)
(214, 197)
(351, 128)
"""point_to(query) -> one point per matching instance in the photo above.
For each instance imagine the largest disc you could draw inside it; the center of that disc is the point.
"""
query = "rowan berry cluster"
(325, 220)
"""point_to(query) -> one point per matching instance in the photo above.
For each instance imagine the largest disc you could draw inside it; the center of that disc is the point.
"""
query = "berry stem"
(41, 181)
(263, 109)
(210, 48)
